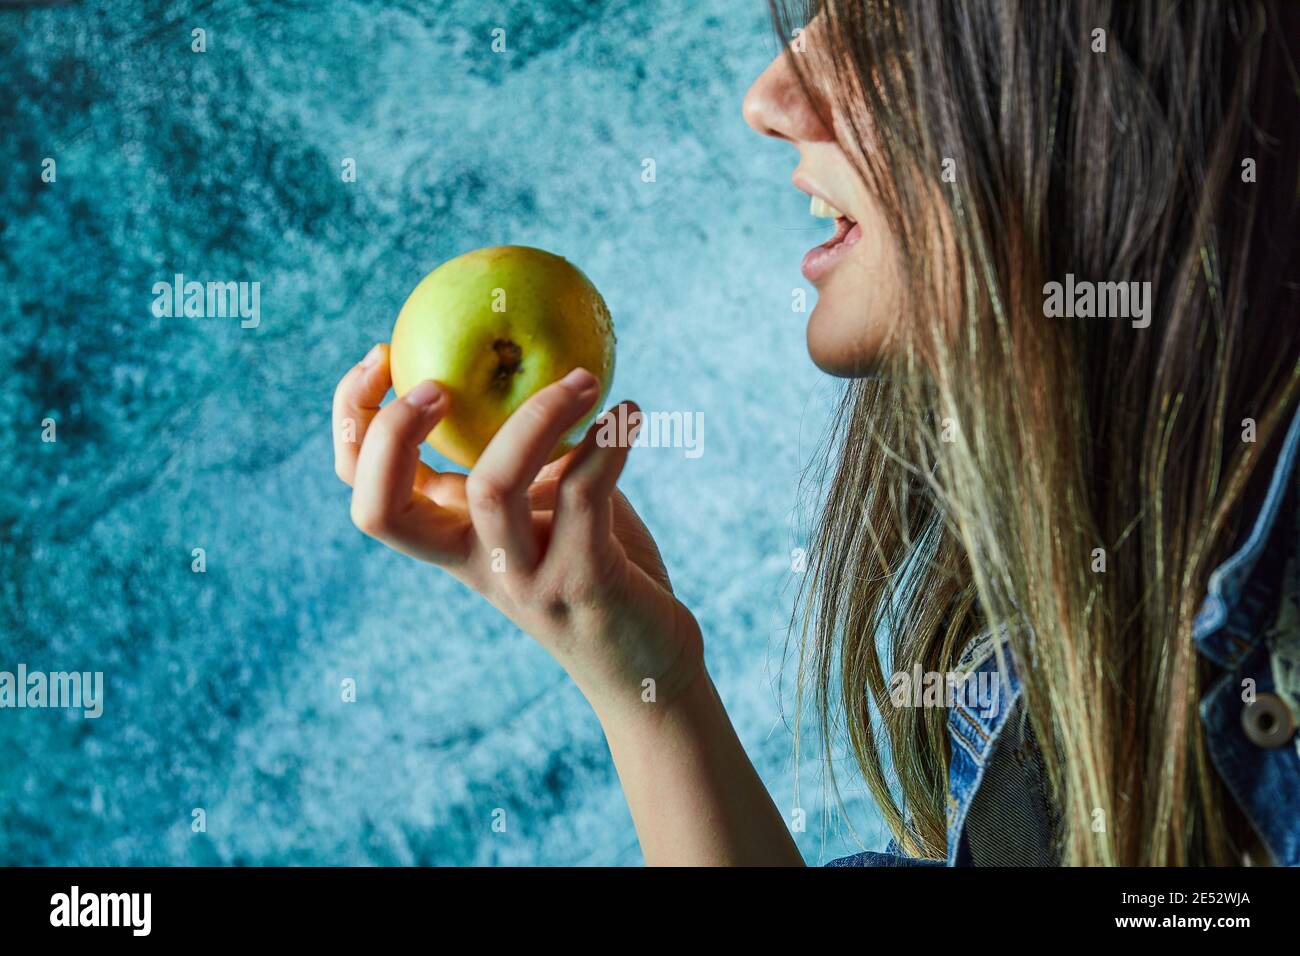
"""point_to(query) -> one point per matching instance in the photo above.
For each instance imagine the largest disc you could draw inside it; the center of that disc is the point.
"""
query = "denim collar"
(973, 733)
(1226, 628)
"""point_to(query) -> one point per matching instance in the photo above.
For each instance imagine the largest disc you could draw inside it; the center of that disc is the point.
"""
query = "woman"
(1063, 284)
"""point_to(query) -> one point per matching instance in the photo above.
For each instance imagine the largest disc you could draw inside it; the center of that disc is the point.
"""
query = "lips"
(821, 259)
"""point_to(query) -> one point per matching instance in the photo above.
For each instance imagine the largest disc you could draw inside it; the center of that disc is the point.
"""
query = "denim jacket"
(1248, 627)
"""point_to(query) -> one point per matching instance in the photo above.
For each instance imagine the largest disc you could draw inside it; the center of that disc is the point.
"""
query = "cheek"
(858, 307)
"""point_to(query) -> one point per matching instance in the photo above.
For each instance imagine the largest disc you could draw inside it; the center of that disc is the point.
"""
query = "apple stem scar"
(509, 362)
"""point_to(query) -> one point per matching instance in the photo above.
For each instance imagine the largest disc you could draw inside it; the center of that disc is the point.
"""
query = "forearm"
(695, 797)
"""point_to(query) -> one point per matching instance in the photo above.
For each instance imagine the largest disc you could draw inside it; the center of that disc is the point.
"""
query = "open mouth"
(820, 259)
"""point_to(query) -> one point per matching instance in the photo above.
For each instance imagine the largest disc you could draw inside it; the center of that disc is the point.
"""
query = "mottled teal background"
(222, 689)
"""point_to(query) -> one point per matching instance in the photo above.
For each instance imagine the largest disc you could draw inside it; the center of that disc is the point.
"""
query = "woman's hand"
(564, 556)
(555, 547)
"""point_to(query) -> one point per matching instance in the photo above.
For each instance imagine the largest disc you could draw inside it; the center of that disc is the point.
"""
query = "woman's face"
(855, 271)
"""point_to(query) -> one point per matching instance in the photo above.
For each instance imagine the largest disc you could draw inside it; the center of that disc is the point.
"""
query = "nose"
(776, 105)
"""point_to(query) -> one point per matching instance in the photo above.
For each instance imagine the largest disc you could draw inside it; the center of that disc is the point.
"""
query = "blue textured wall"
(222, 689)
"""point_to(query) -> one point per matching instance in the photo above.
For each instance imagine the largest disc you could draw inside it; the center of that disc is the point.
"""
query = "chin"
(845, 345)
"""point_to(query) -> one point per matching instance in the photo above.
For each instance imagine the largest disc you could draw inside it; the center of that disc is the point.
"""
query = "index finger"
(497, 487)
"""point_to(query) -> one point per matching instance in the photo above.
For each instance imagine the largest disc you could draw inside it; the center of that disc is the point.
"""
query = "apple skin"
(494, 326)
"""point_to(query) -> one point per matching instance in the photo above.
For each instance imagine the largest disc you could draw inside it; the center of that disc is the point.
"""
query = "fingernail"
(373, 356)
(580, 381)
(426, 396)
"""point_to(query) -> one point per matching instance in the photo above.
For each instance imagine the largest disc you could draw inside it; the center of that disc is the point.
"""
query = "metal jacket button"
(1268, 721)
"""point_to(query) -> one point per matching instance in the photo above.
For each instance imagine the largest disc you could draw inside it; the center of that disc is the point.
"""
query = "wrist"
(667, 688)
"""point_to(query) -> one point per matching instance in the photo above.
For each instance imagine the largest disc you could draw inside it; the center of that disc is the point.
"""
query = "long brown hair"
(973, 484)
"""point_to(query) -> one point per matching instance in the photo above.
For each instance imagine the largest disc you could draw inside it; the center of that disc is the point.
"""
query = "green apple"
(495, 326)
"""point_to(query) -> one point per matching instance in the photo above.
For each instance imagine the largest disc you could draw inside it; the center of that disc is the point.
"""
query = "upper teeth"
(820, 207)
